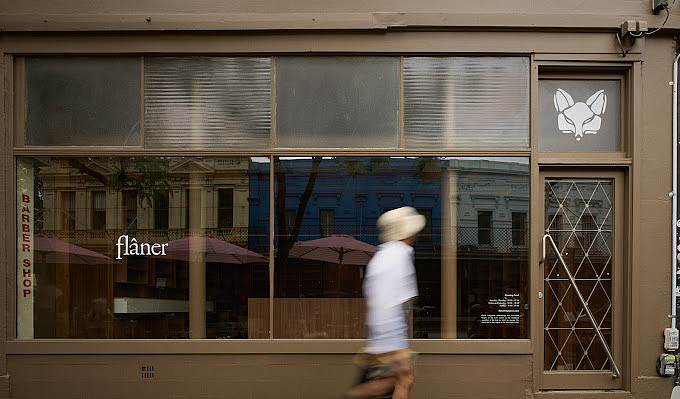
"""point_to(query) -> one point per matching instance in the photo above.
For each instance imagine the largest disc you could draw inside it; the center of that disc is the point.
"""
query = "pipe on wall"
(673, 194)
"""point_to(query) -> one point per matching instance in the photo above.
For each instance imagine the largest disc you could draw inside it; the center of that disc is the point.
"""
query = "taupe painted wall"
(653, 264)
(352, 14)
(254, 376)
(585, 30)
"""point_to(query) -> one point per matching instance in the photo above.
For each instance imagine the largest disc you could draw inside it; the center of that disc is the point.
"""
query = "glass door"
(582, 215)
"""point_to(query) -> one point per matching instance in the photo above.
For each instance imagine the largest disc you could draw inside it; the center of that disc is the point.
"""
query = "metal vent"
(147, 372)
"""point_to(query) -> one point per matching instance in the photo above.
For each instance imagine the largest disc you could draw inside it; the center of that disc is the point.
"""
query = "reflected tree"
(426, 169)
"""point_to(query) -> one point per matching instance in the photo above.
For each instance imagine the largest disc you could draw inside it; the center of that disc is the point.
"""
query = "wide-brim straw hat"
(400, 223)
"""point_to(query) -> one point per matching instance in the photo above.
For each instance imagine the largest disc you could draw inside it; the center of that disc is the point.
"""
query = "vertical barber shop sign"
(25, 249)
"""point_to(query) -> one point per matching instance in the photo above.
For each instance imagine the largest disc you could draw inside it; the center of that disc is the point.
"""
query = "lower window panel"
(108, 246)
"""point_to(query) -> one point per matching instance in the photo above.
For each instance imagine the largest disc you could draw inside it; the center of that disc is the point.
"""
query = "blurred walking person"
(389, 285)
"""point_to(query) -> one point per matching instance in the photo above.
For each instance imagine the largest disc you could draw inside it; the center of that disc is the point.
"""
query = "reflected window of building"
(484, 227)
(589, 230)
(289, 218)
(225, 208)
(161, 209)
(185, 204)
(519, 228)
(99, 210)
(327, 222)
(68, 210)
(129, 210)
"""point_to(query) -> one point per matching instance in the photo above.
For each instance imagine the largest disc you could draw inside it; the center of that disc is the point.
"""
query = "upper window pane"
(337, 102)
(83, 101)
(207, 102)
(466, 102)
(579, 115)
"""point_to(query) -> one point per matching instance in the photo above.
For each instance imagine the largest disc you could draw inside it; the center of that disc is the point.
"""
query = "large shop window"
(131, 278)
(108, 246)
(317, 278)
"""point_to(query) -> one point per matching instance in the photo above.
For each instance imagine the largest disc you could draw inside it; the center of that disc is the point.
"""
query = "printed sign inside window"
(579, 115)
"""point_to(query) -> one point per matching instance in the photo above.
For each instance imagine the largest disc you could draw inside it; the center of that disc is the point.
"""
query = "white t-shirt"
(390, 281)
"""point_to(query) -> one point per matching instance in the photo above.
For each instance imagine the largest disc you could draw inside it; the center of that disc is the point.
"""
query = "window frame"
(269, 346)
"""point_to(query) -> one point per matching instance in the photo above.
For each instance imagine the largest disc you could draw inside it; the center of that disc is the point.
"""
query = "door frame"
(571, 380)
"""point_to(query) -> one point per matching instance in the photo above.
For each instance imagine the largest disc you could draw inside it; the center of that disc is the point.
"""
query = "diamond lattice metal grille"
(579, 217)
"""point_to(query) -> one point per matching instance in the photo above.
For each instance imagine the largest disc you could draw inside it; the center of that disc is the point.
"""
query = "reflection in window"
(187, 208)
(471, 259)
(318, 277)
(161, 208)
(289, 218)
(225, 208)
(91, 283)
(484, 227)
(130, 210)
(68, 210)
(519, 228)
(327, 222)
(589, 228)
(99, 210)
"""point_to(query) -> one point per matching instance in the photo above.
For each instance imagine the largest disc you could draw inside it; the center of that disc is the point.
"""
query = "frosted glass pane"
(338, 102)
(207, 102)
(466, 102)
(83, 101)
(579, 115)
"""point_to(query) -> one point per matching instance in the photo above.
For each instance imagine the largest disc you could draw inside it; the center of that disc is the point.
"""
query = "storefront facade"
(193, 196)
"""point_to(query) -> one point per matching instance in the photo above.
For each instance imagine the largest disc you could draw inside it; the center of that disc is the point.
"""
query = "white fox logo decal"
(577, 117)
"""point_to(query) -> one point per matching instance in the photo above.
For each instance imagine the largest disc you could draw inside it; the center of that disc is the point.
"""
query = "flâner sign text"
(127, 247)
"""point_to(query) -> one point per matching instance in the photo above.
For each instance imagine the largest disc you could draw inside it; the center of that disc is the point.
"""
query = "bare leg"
(404, 377)
(371, 389)
(400, 383)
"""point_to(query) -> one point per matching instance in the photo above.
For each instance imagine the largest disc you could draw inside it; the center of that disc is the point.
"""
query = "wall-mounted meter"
(666, 364)
(671, 339)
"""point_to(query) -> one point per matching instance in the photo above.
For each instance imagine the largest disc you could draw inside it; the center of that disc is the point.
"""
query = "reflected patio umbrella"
(51, 248)
(215, 250)
(340, 249)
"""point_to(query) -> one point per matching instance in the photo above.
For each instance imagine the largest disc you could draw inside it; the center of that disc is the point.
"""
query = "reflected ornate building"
(90, 202)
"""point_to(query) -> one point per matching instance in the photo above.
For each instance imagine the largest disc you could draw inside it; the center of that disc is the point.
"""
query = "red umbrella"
(52, 248)
(340, 249)
(215, 250)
